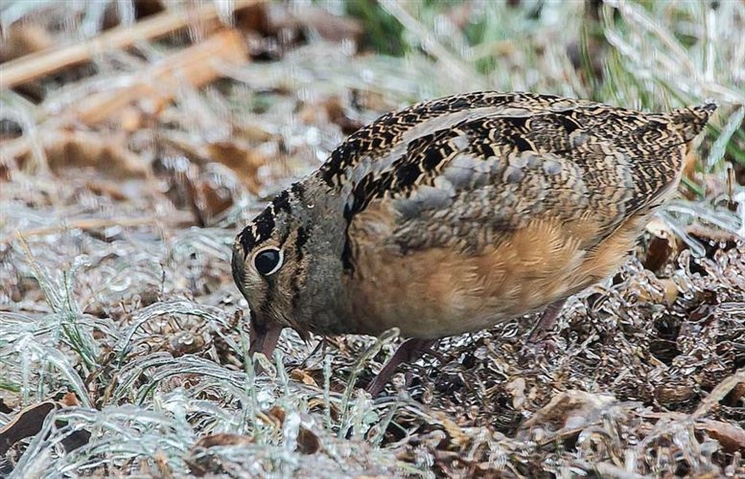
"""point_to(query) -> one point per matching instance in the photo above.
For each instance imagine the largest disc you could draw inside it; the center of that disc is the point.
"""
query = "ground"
(126, 173)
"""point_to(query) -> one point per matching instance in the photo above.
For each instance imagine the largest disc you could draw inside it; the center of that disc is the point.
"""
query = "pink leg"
(546, 323)
(409, 351)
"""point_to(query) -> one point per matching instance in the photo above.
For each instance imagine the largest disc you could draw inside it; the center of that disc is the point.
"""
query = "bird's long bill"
(263, 337)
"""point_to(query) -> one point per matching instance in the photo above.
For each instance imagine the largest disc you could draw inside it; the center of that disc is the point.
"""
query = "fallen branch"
(157, 85)
(177, 218)
(36, 65)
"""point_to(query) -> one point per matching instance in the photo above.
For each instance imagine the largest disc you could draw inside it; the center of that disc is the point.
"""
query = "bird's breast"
(446, 291)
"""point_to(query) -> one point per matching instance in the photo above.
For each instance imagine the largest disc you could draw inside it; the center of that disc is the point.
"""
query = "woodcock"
(456, 214)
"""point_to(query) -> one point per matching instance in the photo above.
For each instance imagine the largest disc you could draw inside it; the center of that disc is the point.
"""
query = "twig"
(159, 83)
(98, 223)
(31, 67)
(718, 393)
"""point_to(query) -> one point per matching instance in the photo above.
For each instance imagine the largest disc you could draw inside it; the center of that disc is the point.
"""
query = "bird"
(456, 214)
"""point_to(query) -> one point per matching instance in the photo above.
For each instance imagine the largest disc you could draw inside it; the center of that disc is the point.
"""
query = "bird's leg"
(546, 322)
(409, 351)
(536, 340)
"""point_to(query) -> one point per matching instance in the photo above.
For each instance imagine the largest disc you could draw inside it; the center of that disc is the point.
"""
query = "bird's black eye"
(268, 261)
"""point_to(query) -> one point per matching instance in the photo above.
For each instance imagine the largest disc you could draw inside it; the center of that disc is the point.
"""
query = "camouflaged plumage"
(484, 205)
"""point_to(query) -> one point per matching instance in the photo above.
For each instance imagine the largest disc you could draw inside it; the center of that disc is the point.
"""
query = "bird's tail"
(692, 120)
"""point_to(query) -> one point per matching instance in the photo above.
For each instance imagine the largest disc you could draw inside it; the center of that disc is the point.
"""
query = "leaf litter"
(126, 173)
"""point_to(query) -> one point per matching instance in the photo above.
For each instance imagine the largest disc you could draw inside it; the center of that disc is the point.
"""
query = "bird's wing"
(480, 179)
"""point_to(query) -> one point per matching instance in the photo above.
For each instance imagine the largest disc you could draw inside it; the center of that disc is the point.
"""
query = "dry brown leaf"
(25, 424)
(203, 462)
(110, 189)
(671, 290)
(29, 421)
(367, 99)
(719, 392)
(185, 342)
(329, 110)
(277, 415)
(302, 376)
(141, 9)
(208, 199)
(690, 162)
(707, 234)
(730, 436)
(567, 406)
(254, 18)
(330, 27)
(176, 219)
(23, 39)
(244, 162)
(457, 435)
(223, 439)
(69, 400)
(659, 251)
(77, 149)
(307, 441)
(668, 393)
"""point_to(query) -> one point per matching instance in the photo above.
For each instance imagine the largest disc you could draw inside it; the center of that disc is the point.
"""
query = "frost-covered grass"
(118, 299)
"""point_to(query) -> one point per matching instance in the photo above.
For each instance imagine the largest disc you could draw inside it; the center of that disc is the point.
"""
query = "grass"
(142, 323)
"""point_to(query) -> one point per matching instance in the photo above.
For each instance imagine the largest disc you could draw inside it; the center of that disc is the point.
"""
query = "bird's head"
(287, 264)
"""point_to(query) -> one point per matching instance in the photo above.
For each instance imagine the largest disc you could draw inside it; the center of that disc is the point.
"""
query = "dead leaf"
(302, 376)
(730, 436)
(50, 60)
(690, 162)
(244, 162)
(78, 149)
(27, 423)
(142, 9)
(277, 414)
(674, 393)
(671, 290)
(69, 400)
(209, 198)
(24, 38)
(659, 252)
(457, 435)
(155, 86)
(202, 462)
(330, 27)
(307, 441)
(328, 110)
(30, 420)
(223, 439)
(109, 189)
(568, 406)
(185, 342)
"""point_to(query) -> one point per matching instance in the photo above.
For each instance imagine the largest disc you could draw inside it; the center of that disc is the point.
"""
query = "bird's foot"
(409, 351)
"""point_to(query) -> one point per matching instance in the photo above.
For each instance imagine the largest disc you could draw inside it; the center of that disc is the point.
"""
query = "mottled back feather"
(477, 166)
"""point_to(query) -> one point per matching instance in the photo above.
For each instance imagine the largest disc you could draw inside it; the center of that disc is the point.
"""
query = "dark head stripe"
(258, 231)
(281, 202)
(263, 226)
